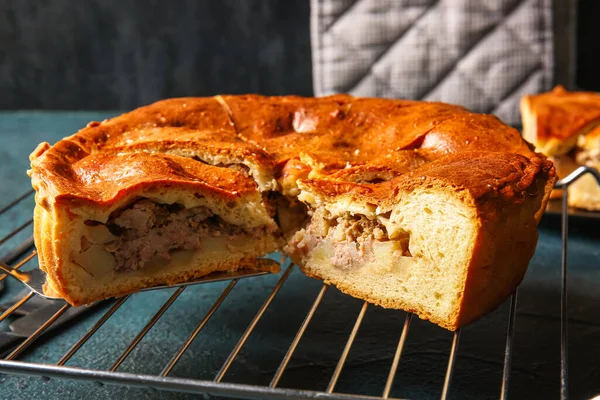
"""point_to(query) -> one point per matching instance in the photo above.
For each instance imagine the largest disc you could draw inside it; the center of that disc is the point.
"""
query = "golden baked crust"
(190, 150)
(506, 177)
(329, 135)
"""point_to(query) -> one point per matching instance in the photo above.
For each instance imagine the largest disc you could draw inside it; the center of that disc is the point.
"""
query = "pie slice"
(420, 206)
(128, 204)
(554, 120)
(558, 123)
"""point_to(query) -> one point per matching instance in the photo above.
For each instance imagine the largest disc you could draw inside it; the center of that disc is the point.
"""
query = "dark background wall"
(588, 45)
(98, 54)
(119, 54)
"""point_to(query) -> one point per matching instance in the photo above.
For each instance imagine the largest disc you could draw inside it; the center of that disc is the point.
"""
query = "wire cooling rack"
(163, 381)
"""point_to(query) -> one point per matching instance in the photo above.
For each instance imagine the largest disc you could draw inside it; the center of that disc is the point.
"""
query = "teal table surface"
(478, 371)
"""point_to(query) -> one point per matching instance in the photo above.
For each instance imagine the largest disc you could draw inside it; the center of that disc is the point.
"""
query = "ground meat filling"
(355, 236)
(148, 230)
(351, 236)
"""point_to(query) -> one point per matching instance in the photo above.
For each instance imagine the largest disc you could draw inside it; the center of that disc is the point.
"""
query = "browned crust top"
(343, 140)
(507, 176)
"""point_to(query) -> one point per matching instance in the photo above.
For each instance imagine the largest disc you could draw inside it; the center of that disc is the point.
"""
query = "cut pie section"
(425, 207)
(170, 226)
(435, 247)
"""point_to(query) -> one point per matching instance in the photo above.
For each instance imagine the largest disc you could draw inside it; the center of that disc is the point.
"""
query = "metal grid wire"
(163, 381)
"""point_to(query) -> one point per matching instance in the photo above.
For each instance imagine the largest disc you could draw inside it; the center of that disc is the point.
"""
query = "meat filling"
(148, 230)
(351, 237)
